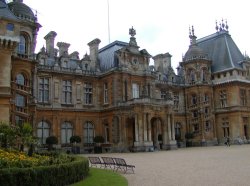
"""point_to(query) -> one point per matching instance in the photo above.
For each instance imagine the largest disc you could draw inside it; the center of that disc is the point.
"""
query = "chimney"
(50, 38)
(93, 49)
(63, 48)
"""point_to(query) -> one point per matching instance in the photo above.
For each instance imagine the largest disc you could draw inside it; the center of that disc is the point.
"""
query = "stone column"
(145, 127)
(169, 127)
(165, 137)
(149, 129)
(136, 128)
(173, 128)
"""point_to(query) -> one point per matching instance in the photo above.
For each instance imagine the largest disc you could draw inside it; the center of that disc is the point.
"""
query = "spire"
(192, 36)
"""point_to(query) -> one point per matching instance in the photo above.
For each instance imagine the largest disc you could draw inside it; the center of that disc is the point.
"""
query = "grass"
(102, 177)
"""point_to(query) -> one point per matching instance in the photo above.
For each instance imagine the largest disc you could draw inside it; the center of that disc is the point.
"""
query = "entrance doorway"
(157, 132)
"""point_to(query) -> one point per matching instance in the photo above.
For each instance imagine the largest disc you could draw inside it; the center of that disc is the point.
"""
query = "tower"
(198, 91)
(18, 33)
(9, 38)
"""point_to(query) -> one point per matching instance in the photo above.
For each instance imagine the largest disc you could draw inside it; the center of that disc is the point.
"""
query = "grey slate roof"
(107, 57)
(5, 12)
(222, 50)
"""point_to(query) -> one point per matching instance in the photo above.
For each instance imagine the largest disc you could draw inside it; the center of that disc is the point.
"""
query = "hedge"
(54, 175)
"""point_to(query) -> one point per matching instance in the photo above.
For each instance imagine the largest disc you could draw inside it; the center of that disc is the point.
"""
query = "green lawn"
(101, 177)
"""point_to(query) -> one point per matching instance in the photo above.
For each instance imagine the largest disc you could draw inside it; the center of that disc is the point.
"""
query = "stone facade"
(114, 92)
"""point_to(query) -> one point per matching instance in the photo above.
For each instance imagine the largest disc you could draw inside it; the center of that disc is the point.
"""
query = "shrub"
(51, 140)
(75, 139)
(57, 174)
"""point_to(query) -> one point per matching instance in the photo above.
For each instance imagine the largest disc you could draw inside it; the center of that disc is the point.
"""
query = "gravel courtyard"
(197, 166)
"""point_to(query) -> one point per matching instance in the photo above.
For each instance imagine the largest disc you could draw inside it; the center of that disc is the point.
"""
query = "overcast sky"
(161, 25)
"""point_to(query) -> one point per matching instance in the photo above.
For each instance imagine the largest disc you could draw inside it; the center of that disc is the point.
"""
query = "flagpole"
(108, 22)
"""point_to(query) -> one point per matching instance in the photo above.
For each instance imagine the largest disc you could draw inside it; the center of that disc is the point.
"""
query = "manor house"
(115, 93)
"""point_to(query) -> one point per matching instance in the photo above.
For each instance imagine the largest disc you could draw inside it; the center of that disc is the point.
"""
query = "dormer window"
(65, 64)
(10, 27)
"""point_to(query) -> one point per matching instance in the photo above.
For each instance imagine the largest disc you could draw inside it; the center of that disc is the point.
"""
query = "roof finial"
(192, 36)
(132, 41)
(192, 30)
(132, 32)
(226, 26)
(216, 26)
(222, 24)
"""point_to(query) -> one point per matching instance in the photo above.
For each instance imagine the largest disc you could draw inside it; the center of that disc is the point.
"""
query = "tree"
(25, 135)
(7, 135)
(75, 139)
(50, 141)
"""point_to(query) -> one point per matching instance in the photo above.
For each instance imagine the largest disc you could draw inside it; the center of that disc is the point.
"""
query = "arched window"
(43, 131)
(88, 132)
(194, 99)
(22, 46)
(66, 132)
(203, 75)
(115, 130)
(192, 76)
(20, 80)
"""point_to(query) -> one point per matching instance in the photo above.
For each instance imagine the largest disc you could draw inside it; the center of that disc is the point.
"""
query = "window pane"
(10, 27)
(22, 45)
(20, 79)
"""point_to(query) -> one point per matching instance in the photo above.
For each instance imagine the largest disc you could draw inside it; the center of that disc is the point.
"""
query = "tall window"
(225, 128)
(135, 90)
(106, 129)
(243, 97)
(195, 113)
(20, 100)
(196, 128)
(176, 100)
(43, 130)
(194, 99)
(19, 120)
(44, 90)
(115, 130)
(163, 95)
(88, 132)
(22, 45)
(105, 96)
(207, 126)
(203, 75)
(67, 92)
(192, 76)
(246, 127)
(20, 79)
(206, 97)
(177, 130)
(66, 132)
(223, 98)
(206, 110)
(88, 93)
